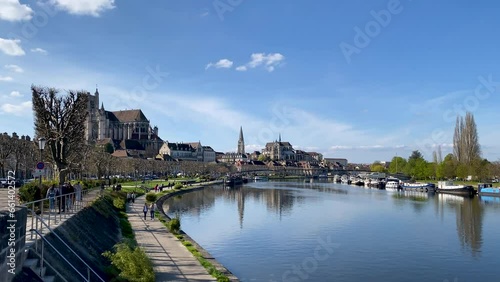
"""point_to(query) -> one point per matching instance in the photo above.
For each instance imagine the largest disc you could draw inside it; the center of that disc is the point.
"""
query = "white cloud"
(84, 7)
(39, 50)
(12, 10)
(204, 14)
(11, 47)
(15, 94)
(5, 78)
(14, 68)
(18, 110)
(221, 64)
(268, 61)
(241, 68)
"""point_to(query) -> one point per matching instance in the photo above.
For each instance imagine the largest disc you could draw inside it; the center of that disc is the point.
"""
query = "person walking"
(51, 195)
(78, 193)
(145, 210)
(70, 198)
(133, 197)
(62, 197)
(152, 210)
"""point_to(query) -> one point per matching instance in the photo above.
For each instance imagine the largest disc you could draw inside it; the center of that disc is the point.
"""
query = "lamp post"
(41, 146)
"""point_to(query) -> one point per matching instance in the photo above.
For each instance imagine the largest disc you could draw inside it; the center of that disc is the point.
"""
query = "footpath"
(171, 260)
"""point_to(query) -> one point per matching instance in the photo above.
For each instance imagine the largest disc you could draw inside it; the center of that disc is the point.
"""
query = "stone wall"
(12, 240)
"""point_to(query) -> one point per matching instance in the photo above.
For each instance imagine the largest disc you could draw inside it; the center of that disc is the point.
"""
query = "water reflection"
(280, 197)
(277, 223)
(469, 219)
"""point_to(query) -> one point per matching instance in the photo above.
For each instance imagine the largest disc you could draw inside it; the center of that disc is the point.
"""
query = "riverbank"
(205, 255)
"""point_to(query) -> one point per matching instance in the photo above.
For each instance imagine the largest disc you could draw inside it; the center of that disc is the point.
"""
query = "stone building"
(278, 150)
(193, 151)
(120, 126)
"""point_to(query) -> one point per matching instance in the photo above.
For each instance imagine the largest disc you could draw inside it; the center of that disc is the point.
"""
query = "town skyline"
(199, 71)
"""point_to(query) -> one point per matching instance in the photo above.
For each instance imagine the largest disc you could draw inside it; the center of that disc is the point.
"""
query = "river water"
(302, 231)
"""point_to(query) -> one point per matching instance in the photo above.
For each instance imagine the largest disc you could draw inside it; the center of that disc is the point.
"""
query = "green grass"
(152, 183)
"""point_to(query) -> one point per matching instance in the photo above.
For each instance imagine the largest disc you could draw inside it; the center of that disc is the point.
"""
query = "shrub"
(151, 197)
(174, 225)
(119, 203)
(27, 191)
(132, 262)
(178, 185)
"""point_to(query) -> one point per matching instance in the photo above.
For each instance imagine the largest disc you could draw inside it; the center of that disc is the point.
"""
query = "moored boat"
(233, 181)
(345, 179)
(487, 189)
(336, 178)
(392, 183)
(261, 178)
(450, 188)
(422, 187)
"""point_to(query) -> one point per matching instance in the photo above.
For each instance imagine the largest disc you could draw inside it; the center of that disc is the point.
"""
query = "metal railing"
(45, 241)
(55, 209)
(50, 211)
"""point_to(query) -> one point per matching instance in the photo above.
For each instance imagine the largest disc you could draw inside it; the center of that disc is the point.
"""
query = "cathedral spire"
(241, 142)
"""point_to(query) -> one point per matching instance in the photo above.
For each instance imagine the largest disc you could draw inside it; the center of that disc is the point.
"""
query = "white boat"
(345, 179)
(392, 184)
(450, 188)
(419, 186)
(336, 178)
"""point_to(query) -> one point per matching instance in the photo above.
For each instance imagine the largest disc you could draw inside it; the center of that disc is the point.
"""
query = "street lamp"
(41, 146)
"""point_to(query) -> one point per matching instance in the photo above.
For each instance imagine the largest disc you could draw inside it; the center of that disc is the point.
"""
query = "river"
(302, 231)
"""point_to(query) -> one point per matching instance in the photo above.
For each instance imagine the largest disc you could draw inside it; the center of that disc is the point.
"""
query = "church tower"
(241, 143)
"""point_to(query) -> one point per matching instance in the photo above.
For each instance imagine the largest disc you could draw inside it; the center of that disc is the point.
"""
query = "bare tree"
(472, 149)
(458, 143)
(439, 155)
(6, 148)
(61, 120)
(466, 148)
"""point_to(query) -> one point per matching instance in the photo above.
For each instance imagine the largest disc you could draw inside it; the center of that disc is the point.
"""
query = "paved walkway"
(171, 260)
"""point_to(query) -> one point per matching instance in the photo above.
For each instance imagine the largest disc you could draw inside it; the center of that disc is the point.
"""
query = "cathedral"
(129, 131)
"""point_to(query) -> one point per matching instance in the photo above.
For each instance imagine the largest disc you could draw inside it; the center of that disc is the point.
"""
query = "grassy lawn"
(152, 183)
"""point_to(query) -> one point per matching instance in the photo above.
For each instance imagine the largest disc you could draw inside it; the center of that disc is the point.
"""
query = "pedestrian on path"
(133, 197)
(152, 210)
(51, 195)
(145, 210)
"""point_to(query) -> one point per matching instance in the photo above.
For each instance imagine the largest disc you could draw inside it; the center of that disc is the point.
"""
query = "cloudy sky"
(362, 80)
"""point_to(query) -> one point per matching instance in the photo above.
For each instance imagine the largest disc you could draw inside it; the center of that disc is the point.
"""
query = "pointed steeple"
(241, 142)
(241, 134)
(102, 106)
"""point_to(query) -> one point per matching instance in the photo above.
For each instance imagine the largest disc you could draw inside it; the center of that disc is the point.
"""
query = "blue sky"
(362, 80)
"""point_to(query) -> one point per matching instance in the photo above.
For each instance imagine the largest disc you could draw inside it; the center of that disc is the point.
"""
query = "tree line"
(465, 160)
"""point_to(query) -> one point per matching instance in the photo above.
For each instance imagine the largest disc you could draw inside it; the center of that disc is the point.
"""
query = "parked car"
(4, 183)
